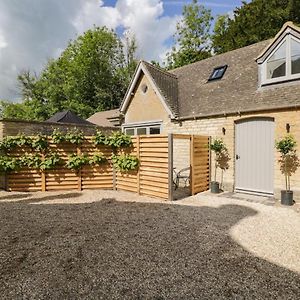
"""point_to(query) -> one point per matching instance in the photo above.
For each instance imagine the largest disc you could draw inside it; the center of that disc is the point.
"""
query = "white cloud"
(32, 31)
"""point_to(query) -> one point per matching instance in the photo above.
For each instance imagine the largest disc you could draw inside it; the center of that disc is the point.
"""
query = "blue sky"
(173, 7)
(33, 31)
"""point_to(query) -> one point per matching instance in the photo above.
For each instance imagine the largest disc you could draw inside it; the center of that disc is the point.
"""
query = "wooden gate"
(200, 166)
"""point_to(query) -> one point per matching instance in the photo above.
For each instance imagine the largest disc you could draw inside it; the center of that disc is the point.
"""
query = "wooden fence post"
(138, 171)
(79, 171)
(192, 175)
(170, 166)
(113, 151)
(5, 181)
(43, 177)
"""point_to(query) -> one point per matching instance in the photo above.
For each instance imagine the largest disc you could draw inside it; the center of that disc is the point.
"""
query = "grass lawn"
(119, 250)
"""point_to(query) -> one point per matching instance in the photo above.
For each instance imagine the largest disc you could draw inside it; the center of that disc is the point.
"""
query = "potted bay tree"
(289, 163)
(219, 149)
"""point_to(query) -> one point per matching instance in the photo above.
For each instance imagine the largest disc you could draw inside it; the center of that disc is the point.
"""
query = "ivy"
(40, 143)
(22, 140)
(76, 162)
(125, 162)
(11, 142)
(8, 164)
(119, 139)
(58, 136)
(74, 136)
(98, 159)
(50, 161)
(31, 161)
(100, 139)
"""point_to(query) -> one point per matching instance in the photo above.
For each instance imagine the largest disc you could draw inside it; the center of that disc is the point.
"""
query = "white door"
(254, 159)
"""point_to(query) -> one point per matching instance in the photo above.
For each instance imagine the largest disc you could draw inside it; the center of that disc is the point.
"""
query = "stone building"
(249, 97)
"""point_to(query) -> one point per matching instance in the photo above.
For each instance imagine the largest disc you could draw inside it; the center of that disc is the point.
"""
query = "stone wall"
(145, 106)
(213, 127)
(13, 127)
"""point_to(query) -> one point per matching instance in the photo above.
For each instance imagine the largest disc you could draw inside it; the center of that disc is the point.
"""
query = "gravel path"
(94, 245)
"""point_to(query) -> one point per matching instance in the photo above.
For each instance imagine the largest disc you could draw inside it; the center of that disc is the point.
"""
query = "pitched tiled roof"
(189, 94)
(108, 118)
(69, 117)
(167, 84)
(237, 91)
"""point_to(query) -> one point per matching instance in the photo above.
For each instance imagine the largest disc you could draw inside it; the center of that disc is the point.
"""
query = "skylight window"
(218, 73)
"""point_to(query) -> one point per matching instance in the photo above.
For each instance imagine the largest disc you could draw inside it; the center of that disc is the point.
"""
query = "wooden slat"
(155, 179)
(154, 169)
(156, 174)
(146, 183)
(154, 194)
(181, 136)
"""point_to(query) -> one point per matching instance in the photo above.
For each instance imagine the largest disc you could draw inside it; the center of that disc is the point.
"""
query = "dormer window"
(276, 64)
(283, 63)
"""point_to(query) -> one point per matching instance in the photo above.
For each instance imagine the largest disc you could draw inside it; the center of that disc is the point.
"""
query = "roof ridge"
(159, 69)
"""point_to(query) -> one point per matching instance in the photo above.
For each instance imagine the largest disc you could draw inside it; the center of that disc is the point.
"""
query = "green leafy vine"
(125, 162)
(74, 137)
(119, 139)
(77, 161)
(100, 139)
(97, 159)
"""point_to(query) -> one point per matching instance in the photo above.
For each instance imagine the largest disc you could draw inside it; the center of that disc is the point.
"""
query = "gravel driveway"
(95, 245)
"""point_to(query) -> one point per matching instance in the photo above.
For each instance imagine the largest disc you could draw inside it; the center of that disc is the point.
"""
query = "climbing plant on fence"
(71, 161)
(61, 154)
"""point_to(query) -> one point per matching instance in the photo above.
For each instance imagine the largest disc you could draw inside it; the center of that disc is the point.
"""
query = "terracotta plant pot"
(215, 187)
(287, 198)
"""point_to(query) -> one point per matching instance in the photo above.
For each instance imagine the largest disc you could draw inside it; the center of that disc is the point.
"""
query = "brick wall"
(213, 127)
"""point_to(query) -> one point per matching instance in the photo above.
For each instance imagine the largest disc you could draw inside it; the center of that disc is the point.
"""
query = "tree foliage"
(253, 22)
(192, 36)
(91, 74)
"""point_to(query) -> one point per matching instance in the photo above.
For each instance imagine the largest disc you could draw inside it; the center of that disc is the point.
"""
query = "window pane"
(277, 62)
(140, 131)
(129, 131)
(154, 130)
(295, 52)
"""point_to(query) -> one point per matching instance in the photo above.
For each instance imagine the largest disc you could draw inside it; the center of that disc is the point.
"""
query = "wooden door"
(254, 156)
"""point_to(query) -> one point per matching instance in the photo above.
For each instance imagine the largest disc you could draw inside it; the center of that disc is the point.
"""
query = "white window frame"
(288, 66)
(146, 125)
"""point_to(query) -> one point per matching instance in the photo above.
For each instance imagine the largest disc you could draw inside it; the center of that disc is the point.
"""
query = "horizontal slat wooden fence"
(152, 177)
(62, 178)
(200, 164)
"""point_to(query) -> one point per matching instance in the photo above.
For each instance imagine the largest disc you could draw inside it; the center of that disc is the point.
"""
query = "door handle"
(237, 157)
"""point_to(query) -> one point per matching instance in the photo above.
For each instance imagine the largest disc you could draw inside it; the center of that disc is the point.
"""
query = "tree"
(253, 22)
(91, 74)
(192, 36)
